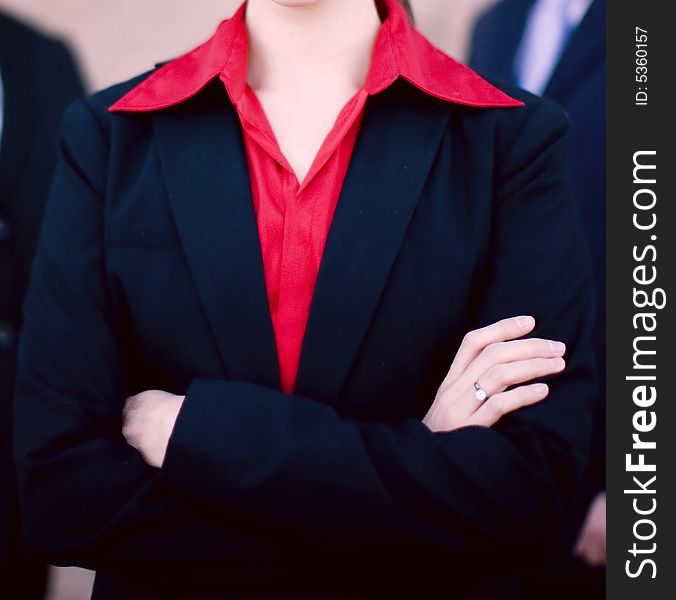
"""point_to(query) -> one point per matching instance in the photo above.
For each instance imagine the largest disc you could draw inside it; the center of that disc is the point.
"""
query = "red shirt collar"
(400, 51)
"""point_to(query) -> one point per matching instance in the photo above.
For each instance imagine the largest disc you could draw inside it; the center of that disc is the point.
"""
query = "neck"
(297, 45)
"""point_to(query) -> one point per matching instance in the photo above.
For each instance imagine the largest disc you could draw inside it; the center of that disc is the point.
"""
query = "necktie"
(548, 29)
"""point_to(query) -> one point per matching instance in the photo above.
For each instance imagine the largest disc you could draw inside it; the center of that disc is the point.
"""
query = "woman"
(258, 264)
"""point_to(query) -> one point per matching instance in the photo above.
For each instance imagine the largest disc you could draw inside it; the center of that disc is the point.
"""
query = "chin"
(297, 3)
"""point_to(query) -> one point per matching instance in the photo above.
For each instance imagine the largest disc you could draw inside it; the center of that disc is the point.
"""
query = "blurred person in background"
(556, 48)
(38, 78)
(294, 305)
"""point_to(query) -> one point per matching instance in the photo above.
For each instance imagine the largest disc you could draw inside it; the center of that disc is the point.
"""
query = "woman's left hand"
(591, 545)
(148, 419)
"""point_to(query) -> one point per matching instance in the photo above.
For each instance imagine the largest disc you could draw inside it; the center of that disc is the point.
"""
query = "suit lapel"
(584, 50)
(391, 161)
(206, 174)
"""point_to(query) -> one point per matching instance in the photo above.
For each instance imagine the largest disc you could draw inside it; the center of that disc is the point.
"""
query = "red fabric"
(402, 52)
(293, 218)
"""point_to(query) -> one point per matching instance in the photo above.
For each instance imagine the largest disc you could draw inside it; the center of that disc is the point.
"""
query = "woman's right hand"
(496, 359)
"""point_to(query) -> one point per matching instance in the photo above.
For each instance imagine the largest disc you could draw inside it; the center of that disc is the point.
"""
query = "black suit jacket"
(39, 79)
(578, 84)
(149, 275)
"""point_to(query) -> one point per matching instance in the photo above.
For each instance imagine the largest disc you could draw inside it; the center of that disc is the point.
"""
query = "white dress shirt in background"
(550, 24)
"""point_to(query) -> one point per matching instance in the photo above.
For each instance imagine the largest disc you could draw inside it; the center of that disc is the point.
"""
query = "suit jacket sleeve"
(243, 453)
(288, 459)
(88, 498)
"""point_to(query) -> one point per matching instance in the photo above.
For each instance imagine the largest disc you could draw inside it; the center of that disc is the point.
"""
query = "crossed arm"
(492, 355)
(461, 481)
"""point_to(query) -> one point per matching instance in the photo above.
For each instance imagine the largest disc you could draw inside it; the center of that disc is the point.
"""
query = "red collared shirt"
(294, 218)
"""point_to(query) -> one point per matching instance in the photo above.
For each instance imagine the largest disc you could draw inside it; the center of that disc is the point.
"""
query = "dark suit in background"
(39, 79)
(578, 84)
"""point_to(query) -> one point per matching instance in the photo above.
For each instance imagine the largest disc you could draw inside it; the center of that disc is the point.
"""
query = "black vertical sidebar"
(641, 402)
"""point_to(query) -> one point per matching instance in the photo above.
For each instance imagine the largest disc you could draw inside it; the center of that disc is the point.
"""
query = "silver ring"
(480, 393)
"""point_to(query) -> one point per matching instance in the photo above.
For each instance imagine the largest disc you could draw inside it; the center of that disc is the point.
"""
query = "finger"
(499, 377)
(594, 553)
(131, 405)
(475, 341)
(515, 350)
(128, 404)
(581, 545)
(497, 406)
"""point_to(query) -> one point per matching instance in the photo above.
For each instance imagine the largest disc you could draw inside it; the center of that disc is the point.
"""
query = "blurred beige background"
(117, 39)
